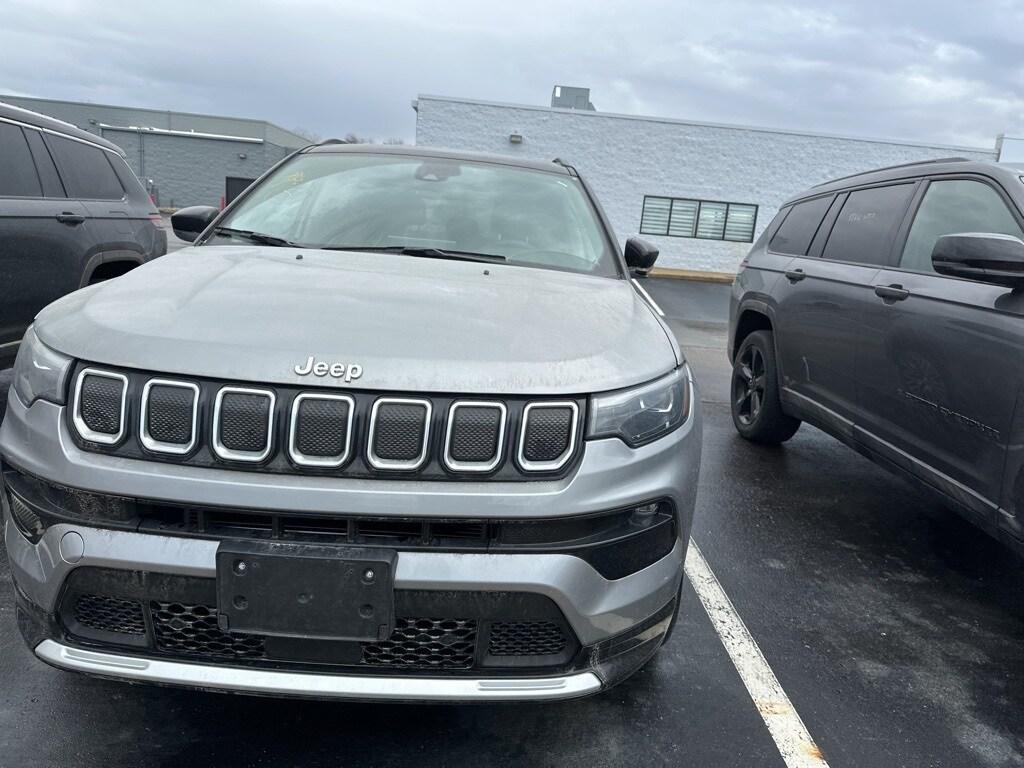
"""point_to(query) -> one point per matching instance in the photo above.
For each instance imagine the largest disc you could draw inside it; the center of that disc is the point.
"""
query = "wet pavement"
(896, 629)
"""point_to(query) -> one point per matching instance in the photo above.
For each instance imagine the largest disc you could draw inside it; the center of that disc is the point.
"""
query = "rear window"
(18, 176)
(867, 224)
(797, 230)
(86, 171)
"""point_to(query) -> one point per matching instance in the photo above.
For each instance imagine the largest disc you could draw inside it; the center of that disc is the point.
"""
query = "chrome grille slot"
(399, 433)
(475, 438)
(169, 416)
(548, 436)
(320, 433)
(243, 424)
(100, 404)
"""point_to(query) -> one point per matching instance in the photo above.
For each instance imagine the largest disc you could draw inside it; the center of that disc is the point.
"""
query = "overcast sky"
(949, 72)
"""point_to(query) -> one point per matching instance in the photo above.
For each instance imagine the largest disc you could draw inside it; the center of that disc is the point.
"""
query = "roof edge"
(703, 124)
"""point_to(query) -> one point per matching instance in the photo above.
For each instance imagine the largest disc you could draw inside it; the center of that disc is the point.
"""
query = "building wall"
(625, 157)
(89, 117)
(190, 170)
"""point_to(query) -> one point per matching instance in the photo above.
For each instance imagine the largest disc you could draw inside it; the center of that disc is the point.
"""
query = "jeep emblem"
(334, 370)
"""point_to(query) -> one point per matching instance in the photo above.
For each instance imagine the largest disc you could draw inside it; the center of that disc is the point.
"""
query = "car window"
(361, 200)
(865, 228)
(44, 164)
(798, 228)
(18, 176)
(952, 206)
(85, 169)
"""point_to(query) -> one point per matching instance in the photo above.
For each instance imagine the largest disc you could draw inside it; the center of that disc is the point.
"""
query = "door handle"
(795, 275)
(891, 292)
(70, 218)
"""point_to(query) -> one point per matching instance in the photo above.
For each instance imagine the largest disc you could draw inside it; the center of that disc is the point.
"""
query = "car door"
(41, 232)
(822, 301)
(944, 362)
(90, 178)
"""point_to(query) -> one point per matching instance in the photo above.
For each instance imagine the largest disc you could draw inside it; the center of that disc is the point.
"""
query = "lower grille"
(425, 643)
(526, 638)
(110, 614)
(192, 629)
(436, 633)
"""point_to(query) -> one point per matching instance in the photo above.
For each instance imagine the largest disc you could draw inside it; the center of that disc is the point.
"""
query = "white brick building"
(626, 158)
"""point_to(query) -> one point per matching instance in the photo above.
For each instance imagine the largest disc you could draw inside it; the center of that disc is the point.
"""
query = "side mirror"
(981, 256)
(640, 256)
(189, 223)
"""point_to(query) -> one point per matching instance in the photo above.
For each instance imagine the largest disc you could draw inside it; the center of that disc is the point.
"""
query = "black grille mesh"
(425, 643)
(548, 433)
(475, 432)
(398, 431)
(526, 638)
(100, 404)
(169, 414)
(244, 419)
(321, 427)
(110, 614)
(192, 630)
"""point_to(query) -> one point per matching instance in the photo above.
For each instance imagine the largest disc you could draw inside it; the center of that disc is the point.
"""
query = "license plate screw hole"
(240, 567)
(369, 575)
(240, 602)
(366, 611)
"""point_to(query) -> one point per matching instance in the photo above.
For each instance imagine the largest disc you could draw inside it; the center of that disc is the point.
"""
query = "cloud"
(940, 72)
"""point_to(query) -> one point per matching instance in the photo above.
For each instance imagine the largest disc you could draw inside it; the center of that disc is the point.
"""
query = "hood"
(412, 324)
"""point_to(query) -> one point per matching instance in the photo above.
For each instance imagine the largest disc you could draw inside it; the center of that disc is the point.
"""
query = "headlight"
(644, 413)
(39, 372)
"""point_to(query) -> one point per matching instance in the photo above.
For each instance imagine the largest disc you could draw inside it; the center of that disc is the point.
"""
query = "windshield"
(366, 201)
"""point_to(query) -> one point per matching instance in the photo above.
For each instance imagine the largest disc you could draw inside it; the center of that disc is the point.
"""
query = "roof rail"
(559, 161)
(894, 167)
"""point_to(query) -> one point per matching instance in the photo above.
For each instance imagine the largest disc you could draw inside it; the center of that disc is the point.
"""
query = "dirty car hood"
(413, 324)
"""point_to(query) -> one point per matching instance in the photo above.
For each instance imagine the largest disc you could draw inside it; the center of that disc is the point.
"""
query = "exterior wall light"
(515, 138)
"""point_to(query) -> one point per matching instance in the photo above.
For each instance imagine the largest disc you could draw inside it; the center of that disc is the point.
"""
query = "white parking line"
(646, 295)
(795, 744)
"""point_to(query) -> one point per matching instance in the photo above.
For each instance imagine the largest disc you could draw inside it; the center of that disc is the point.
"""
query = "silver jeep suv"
(399, 426)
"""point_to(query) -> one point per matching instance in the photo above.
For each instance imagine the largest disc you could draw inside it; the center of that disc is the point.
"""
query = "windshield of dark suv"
(425, 206)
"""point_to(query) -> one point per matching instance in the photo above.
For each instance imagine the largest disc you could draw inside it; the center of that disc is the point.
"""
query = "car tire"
(754, 393)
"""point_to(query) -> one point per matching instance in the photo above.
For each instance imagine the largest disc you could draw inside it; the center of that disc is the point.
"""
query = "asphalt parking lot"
(895, 628)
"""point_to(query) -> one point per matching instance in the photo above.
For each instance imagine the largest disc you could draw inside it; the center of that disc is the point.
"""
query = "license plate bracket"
(306, 590)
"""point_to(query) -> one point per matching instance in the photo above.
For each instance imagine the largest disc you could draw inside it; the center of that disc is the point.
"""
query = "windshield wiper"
(425, 252)
(256, 237)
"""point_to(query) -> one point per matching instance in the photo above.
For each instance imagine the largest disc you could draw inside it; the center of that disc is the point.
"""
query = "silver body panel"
(251, 314)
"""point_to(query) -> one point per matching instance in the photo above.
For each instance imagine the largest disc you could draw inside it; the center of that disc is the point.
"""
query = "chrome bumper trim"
(275, 682)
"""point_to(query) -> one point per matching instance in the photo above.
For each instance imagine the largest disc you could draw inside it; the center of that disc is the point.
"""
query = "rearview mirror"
(640, 256)
(188, 223)
(981, 256)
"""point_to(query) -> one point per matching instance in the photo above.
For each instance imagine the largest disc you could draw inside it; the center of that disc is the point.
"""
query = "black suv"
(72, 213)
(887, 309)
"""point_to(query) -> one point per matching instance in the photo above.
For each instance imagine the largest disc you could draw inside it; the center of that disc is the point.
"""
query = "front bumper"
(600, 612)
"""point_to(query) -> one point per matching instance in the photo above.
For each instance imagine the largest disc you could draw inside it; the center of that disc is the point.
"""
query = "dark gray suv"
(887, 309)
(72, 213)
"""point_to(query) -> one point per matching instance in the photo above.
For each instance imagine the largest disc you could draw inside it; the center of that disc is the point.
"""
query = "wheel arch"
(109, 264)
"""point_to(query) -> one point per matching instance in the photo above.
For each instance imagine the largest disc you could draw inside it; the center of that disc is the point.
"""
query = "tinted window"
(950, 207)
(87, 173)
(865, 228)
(44, 164)
(797, 230)
(17, 171)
